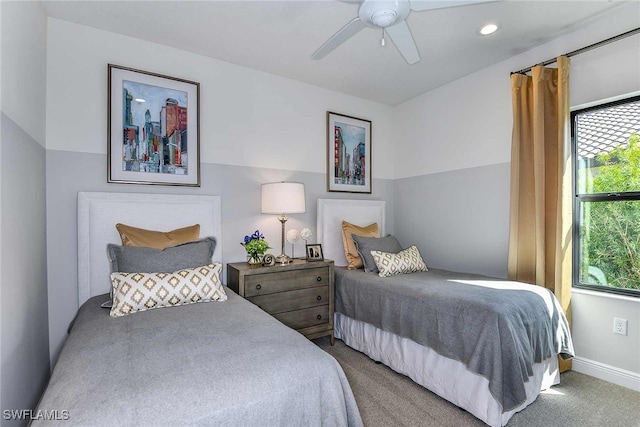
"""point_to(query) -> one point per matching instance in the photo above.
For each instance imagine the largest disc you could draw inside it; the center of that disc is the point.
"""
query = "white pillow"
(134, 292)
(406, 261)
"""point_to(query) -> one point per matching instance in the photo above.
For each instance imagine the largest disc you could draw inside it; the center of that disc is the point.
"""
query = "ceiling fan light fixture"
(390, 16)
(383, 13)
(487, 29)
(384, 17)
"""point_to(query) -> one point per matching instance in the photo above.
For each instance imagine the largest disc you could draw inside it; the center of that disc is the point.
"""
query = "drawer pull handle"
(258, 286)
(319, 317)
(319, 279)
(319, 297)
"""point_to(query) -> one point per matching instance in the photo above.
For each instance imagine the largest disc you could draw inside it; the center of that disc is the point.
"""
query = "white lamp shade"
(283, 198)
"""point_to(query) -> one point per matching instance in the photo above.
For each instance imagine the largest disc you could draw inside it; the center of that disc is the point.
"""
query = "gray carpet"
(386, 398)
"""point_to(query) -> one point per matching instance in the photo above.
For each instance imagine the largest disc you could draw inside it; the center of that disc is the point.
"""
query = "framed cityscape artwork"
(348, 154)
(153, 128)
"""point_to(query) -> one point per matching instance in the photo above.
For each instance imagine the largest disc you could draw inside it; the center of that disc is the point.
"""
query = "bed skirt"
(446, 377)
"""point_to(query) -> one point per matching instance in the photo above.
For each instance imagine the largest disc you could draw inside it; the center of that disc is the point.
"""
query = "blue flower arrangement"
(255, 245)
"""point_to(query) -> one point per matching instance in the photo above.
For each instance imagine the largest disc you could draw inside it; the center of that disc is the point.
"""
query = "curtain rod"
(584, 49)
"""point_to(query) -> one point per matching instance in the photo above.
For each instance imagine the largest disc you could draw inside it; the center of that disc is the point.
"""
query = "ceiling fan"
(389, 16)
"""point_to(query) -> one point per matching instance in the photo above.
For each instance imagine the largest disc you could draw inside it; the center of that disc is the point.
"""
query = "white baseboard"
(607, 373)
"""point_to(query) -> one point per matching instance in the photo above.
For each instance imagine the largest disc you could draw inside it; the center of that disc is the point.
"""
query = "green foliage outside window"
(610, 230)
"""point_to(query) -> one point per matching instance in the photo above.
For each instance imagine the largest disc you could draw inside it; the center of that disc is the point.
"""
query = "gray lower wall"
(23, 318)
(592, 331)
(239, 187)
(459, 219)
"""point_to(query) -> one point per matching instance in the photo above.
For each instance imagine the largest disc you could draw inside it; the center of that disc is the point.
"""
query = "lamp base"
(283, 259)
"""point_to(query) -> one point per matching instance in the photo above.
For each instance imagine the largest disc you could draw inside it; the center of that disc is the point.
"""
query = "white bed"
(201, 363)
(444, 376)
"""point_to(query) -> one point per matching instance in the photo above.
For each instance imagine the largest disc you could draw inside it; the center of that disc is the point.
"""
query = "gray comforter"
(496, 332)
(219, 363)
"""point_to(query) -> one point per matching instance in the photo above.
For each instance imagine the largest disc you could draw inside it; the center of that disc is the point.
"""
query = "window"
(606, 164)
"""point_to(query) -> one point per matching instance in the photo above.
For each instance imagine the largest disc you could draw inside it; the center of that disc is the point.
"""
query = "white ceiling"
(279, 37)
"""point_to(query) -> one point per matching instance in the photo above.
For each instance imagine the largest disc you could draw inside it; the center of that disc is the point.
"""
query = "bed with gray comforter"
(217, 363)
(496, 328)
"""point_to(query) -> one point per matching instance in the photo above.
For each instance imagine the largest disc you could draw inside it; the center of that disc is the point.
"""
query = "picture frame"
(314, 252)
(348, 154)
(153, 128)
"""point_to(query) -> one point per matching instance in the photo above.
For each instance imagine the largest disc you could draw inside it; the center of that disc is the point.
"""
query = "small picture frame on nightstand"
(314, 252)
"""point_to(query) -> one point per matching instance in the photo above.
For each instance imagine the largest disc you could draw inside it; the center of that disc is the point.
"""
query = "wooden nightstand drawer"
(299, 294)
(304, 318)
(268, 283)
(292, 300)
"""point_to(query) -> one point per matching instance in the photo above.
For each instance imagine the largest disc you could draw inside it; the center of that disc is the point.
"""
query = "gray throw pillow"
(367, 244)
(134, 259)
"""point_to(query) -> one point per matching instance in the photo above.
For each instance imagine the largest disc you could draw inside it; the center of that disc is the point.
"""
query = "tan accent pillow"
(406, 261)
(354, 261)
(133, 292)
(132, 236)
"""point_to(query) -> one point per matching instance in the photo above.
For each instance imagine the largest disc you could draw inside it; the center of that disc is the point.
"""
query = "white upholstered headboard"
(331, 213)
(98, 213)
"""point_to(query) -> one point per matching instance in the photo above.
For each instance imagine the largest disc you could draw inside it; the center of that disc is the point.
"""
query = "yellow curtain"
(540, 223)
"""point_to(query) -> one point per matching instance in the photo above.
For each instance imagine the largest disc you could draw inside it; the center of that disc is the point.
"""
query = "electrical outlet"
(619, 326)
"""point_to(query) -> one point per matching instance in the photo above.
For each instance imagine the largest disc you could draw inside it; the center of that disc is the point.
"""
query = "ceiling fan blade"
(420, 5)
(338, 38)
(401, 37)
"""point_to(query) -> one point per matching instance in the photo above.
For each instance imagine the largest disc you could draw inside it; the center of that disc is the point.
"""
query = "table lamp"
(282, 198)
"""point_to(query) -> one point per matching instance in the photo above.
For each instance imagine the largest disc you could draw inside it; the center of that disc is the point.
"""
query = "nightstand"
(299, 294)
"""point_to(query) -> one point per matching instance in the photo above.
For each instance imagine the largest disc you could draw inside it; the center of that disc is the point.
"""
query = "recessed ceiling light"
(488, 29)
(139, 100)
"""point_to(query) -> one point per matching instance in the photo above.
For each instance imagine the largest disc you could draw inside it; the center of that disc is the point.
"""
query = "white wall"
(24, 351)
(24, 32)
(467, 123)
(248, 118)
(254, 128)
(456, 143)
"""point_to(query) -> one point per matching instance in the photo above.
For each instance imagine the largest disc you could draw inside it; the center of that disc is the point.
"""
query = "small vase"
(254, 260)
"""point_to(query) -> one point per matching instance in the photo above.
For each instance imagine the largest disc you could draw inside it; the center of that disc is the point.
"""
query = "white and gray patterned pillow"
(133, 292)
(406, 261)
(133, 259)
